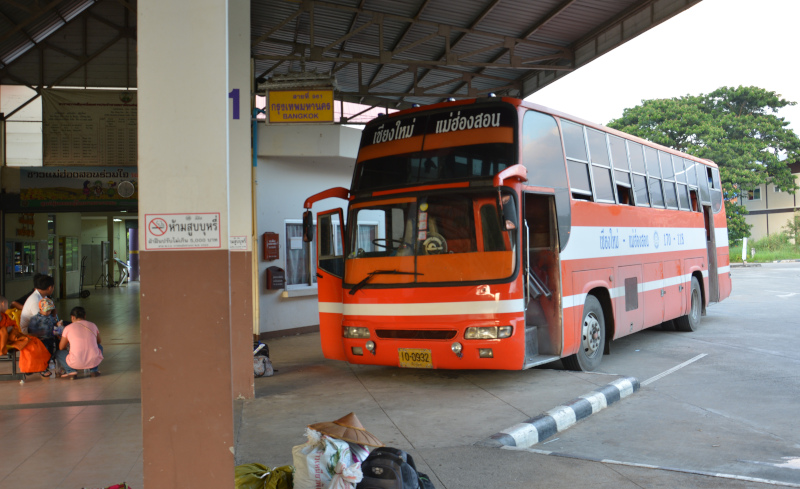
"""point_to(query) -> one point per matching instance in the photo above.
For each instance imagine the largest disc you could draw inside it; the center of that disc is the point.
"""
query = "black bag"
(392, 468)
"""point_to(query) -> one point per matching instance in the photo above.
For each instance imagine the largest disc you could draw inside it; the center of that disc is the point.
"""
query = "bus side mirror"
(509, 213)
(308, 227)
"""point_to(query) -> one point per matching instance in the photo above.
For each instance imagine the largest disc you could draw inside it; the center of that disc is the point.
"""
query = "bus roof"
(541, 108)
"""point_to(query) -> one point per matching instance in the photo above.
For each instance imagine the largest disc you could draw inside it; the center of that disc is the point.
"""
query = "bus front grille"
(419, 334)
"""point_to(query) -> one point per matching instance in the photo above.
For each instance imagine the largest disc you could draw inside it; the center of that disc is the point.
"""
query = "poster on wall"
(78, 187)
(89, 127)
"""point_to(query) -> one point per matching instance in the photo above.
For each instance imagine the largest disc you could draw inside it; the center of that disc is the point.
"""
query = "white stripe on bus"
(579, 299)
(721, 235)
(426, 308)
(587, 242)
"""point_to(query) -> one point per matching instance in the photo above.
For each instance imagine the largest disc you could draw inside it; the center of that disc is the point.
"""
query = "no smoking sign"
(182, 231)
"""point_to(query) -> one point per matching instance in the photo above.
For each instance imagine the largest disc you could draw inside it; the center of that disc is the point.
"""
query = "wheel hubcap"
(591, 335)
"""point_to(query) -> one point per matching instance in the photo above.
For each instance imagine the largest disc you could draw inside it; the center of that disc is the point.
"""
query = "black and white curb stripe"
(544, 426)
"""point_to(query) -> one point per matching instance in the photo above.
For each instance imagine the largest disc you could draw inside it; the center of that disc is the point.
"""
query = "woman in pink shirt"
(80, 346)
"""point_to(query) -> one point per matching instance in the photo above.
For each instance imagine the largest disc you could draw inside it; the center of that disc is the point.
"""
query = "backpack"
(392, 468)
(262, 367)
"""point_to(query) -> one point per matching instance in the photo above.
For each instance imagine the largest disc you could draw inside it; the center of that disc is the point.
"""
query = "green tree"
(792, 229)
(737, 128)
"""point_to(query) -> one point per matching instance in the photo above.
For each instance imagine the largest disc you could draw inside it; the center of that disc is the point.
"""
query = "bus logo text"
(459, 122)
(393, 133)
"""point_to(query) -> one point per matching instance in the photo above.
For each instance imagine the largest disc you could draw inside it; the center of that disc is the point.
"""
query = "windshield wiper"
(369, 276)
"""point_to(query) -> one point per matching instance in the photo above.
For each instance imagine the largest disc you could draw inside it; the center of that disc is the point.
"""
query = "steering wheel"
(384, 242)
(434, 244)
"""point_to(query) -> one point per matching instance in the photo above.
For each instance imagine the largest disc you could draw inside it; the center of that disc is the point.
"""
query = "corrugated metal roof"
(381, 52)
(390, 53)
(81, 43)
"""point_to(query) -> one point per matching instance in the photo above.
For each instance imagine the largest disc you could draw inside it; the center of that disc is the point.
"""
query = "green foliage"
(737, 128)
(771, 242)
(737, 227)
(792, 229)
(770, 248)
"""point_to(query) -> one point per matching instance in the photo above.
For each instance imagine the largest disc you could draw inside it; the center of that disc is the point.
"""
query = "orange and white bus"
(497, 234)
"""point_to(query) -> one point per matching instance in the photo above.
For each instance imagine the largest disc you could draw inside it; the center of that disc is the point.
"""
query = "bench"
(12, 356)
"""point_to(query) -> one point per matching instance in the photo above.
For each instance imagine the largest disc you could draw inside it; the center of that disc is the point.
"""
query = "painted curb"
(544, 426)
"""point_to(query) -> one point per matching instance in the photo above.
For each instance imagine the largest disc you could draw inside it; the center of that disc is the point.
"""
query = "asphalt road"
(733, 410)
(728, 417)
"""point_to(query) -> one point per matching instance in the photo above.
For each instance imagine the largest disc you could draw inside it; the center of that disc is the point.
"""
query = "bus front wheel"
(593, 338)
(691, 321)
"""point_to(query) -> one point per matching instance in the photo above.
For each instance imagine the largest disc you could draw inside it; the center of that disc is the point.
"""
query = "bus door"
(330, 271)
(541, 276)
(711, 245)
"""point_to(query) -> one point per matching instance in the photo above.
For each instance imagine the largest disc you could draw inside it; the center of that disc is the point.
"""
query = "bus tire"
(691, 321)
(593, 338)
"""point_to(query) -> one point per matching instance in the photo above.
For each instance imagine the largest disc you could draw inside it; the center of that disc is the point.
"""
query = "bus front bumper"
(500, 354)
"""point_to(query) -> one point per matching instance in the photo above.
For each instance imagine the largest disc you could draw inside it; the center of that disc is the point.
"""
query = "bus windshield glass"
(432, 238)
(439, 165)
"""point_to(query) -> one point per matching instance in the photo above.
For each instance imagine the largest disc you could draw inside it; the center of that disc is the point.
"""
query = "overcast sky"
(713, 44)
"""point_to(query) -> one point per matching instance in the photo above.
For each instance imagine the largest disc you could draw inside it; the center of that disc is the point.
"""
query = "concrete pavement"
(436, 415)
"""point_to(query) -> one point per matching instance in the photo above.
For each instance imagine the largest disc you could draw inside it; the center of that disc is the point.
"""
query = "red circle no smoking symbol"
(157, 227)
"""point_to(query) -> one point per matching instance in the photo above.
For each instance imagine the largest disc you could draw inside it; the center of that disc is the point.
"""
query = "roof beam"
(35, 14)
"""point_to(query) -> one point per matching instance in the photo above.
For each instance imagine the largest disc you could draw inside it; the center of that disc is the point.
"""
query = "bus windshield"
(439, 165)
(431, 238)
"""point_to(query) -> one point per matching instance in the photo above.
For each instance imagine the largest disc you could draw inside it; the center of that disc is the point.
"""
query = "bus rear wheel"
(691, 321)
(593, 338)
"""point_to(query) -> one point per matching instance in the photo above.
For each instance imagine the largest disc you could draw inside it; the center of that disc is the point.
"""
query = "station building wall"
(770, 209)
(295, 162)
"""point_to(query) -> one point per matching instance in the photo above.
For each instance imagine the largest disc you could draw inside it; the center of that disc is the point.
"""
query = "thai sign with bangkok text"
(293, 106)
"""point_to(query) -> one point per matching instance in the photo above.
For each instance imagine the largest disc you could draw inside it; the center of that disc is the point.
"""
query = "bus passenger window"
(624, 195)
(693, 195)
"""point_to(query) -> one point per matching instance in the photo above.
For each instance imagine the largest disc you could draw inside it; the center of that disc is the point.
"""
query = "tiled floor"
(79, 433)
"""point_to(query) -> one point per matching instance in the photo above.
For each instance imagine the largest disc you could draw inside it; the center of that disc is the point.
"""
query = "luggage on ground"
(392, 468)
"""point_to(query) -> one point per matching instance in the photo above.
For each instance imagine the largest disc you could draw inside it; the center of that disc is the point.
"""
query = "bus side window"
(639, 172)
(577, 160)
(693, 196)
(622, 175)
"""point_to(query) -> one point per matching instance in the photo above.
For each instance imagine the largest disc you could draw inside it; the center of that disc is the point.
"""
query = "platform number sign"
(234, 94)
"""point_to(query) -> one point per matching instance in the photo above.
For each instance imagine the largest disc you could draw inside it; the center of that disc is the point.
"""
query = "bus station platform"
(87, 433)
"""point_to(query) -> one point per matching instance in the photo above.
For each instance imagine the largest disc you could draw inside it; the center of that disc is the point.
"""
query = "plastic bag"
(257, 476)
(346, 477)
(322, 458)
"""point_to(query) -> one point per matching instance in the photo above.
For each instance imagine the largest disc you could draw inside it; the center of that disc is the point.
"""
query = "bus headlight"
(457, 348)
(355, 332)
(488, 332)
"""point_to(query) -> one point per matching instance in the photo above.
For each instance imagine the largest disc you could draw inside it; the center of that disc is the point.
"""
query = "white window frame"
(312, 264)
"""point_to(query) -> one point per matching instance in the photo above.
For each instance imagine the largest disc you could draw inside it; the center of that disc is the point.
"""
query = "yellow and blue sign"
(298, 106)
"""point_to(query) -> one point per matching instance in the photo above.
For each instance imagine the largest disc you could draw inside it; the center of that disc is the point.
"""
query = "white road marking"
(673, 369)
(656, 467)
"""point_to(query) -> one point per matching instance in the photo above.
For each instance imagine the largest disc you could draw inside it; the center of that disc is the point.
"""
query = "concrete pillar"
(133, 252)
(243, 241)
(111, 265)
(188, 170)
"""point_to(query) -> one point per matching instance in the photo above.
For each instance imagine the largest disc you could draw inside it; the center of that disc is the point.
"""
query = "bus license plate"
(415, 358)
